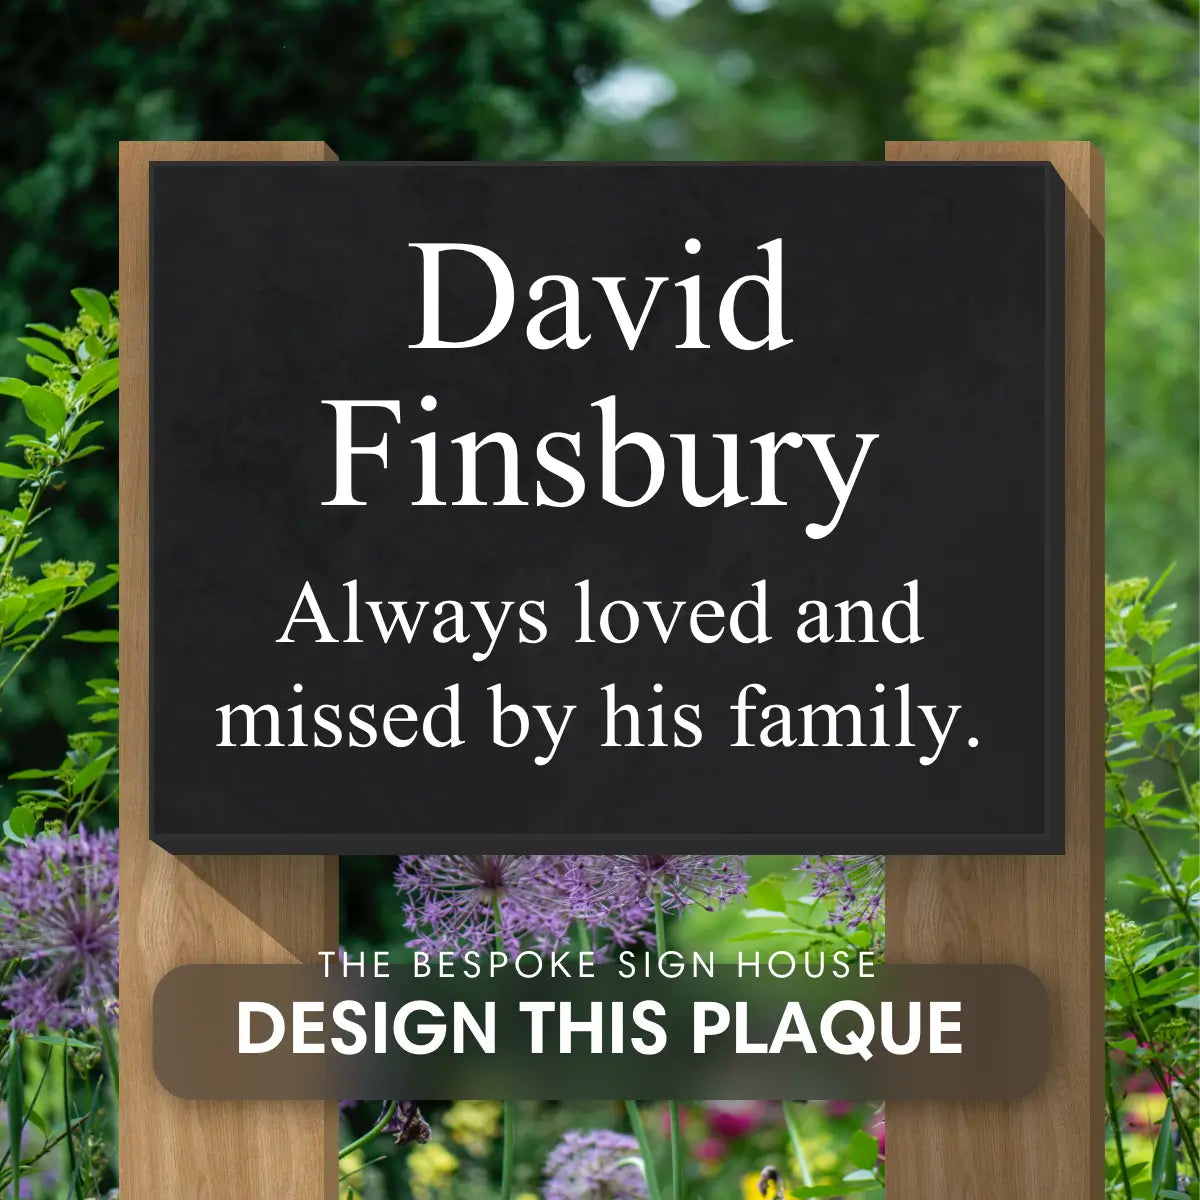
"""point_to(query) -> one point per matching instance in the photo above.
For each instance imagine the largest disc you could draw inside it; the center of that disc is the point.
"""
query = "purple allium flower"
(407, 1125)
(457, 902)
(633, 880)
(612, 916)
(598, 1165)
(852, 884)
(58, 918)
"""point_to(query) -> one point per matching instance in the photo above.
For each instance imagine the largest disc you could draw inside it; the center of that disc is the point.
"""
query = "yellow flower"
(474, 1124)
(430, 1168)
(821, 1153)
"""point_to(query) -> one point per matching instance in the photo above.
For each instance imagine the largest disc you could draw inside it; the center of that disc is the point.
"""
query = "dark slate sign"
(607, 508)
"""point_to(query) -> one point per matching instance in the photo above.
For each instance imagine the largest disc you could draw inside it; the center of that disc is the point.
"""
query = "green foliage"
(1152, 962)
(835, 79)
(376, 79)
(792, 80)
(1122, 74)
(59, 1130)
(79, 367)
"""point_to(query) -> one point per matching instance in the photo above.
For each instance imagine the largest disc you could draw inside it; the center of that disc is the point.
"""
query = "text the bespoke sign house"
(579, 507)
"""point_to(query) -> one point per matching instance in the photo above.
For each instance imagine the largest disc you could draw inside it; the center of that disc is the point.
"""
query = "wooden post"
(198, 909)
(1045, 913)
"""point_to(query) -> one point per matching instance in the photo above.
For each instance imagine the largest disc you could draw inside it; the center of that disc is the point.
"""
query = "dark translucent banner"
(908, 1032)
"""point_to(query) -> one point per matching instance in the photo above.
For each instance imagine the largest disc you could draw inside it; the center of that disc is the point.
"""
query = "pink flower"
(1143, 1082)
(712, 1149)
(877, 1128)
(735, 1118)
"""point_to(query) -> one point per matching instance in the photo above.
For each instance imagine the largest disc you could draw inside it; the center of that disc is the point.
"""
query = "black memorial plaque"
(904, 319)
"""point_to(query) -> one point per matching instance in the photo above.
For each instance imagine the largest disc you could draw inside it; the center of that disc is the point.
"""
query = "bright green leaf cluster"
(79, 367)
(1152, 965)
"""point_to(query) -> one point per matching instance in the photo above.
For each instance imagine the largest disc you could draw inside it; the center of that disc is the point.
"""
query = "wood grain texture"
(198, 909)
(1045, 913)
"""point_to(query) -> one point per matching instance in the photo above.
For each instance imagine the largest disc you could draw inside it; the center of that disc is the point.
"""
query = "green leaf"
(105, 389)
(80, 432)
(23, 823)
(53, 589)
(48, 330)
(98, 588)
(90, 773)
(94, 635)
(1119, 658)
(1157, 584)
(58, 1040)
(1176, 656)
(11, 607)
(1164, 1151)
(36, 1119)
(12, 471)
(767, 894)
(12, 387)
(863, 1150)
(102, 372)
(44, 408)
(43, 366)
(48, 349)
(94, 303)
(758, 935)
(15, 1090)
(832, 1189)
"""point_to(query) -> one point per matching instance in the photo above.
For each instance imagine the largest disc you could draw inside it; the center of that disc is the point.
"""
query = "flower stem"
(1114, 1118)
(660, 924)
(19, 662)
(639, 1132)
(585, 940)
(676, 1151)
(1164, 872)
(110, 1051)
(506, 1162)
(388, 1113)
(18, 537)
(793, 1128)
(508, 1148)
(660, 943)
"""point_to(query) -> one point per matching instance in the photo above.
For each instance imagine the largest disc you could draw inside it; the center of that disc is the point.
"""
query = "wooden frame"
(1041, 912)
(196, 909)
(1045, 913)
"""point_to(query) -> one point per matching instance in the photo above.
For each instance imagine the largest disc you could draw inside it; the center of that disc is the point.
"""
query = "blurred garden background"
(806, 80)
